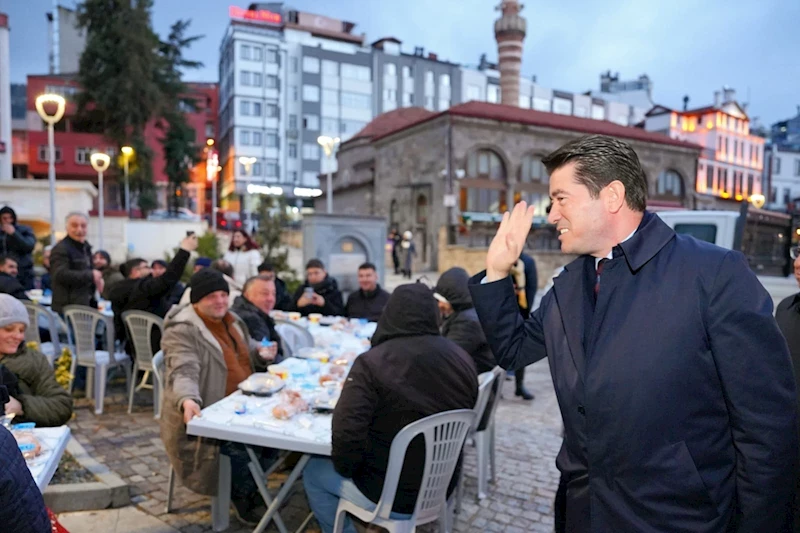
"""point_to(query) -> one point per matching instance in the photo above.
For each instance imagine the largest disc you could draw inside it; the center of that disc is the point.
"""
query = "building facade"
(782, 172)
(75, 141)
(730, 168)
(623, 104)
(397, 167)
(786, 133)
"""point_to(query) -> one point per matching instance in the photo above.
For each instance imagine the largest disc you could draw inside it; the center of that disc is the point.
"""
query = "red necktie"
(600, 265)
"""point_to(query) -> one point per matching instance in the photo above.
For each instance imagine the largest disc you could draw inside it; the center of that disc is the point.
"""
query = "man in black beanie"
(207, 353)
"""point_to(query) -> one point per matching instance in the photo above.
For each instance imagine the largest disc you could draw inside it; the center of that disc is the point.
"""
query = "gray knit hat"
(12, 311)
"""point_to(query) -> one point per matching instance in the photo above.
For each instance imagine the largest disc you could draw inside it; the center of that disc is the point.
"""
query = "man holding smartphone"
(319, 293)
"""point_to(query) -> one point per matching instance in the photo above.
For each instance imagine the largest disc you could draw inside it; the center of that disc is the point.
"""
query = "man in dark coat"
(674, 382)
(74, 280)
(159, 268)
(17, 241)
(370, 299)
(141, 291)
(410, 373)
(319, 293)
(22, 508)
(9, 283)
(460, 322)
(788, 317)
(253, 307)
(283, 300)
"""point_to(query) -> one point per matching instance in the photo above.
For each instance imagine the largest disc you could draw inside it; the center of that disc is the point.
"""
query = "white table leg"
(260, 477)
(221, 503)
(280, 498)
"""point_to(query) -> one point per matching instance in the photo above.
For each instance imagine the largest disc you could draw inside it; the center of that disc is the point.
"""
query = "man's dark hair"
(253, 280)
(315, 263)
(4, 258)
(127, 267)
(266, 266)
(599, 160)
(159, 262)
(220, 265)
(367, 266)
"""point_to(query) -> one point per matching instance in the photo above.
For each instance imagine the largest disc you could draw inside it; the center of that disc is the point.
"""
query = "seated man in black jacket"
(253, 307)
(410, 373)
(9, 284)
(370, 299)
(283, 300)
(461, 324)
(141, 291)
(319, 293)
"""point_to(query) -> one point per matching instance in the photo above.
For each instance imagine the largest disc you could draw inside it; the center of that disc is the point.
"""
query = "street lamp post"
(329, 145)
(212, 167)
(127, 152)
(51, 120)
(100, 163)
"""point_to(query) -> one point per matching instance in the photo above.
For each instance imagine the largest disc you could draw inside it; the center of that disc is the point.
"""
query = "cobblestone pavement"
(528, 438)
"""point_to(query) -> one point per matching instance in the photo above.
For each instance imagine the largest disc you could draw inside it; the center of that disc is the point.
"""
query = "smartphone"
(309, 291)
(189, 233)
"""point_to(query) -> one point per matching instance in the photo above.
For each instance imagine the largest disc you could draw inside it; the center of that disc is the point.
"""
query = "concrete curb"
(110, 491)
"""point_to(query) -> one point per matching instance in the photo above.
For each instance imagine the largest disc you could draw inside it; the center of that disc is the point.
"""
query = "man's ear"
(614, 196)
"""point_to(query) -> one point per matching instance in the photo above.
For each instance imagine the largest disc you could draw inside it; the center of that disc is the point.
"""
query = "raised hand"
(189, 243)
(507, 244)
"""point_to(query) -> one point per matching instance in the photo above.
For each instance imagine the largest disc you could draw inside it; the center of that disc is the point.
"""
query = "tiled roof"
(392, 121)
(506, 113)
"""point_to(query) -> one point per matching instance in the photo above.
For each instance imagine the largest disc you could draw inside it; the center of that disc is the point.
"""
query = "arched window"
(533, 185)
(422, 209)
(669, 186)
(393, 214)
(483, 190)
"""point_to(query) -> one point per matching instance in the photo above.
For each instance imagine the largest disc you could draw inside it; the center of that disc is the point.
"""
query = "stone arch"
(669, 186)
(486, 180)
(533, 182)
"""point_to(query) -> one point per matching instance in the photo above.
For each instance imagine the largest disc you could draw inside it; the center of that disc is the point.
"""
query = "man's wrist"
(493, 275)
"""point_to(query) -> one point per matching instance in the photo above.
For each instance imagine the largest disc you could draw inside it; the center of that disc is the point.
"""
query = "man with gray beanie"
(207, 353)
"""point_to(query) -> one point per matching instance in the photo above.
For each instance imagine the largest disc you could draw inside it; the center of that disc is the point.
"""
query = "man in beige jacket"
(207, 353)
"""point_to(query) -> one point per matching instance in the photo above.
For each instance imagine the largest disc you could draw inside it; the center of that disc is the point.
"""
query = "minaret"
(509, 32)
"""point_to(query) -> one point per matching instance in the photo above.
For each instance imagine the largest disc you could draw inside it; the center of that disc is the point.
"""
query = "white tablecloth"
(54, 442)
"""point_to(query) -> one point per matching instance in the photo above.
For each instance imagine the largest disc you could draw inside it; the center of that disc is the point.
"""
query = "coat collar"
(570, 287)
(650, 237)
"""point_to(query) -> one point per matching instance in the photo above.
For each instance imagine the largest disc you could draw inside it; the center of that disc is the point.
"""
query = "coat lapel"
(570, 292)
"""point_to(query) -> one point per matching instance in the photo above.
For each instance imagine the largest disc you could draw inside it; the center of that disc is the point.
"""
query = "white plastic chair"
(484, 437)
(52, 349)
(140, 326)
(486, 385)
(444, 435)
(158, 372)
(84, 321)
(294, 337)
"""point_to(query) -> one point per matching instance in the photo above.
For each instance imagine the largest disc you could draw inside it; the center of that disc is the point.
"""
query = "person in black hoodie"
(159, 267)
(283, 300)
(410, 373)
(370, 299)
(461, 324)
(319, 293)
(17, 241)
(74, 280)
(141, 291)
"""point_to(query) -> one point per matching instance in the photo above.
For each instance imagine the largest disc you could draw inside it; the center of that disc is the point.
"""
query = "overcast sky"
(685, 46)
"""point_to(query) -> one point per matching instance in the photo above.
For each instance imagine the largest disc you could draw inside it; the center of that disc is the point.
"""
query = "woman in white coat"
(244, 256)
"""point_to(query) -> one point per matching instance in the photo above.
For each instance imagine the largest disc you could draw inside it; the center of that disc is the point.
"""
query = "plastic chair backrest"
(140, 326)
(32, 333)
(84, 321)
(485, 382)
(294, 336)
(494, 399)
(158, 367)
(444, 435)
